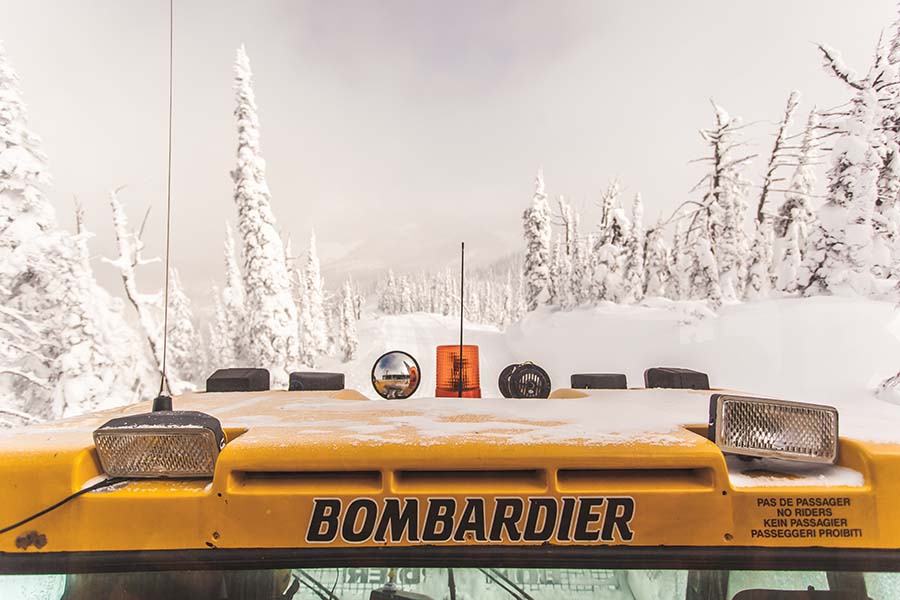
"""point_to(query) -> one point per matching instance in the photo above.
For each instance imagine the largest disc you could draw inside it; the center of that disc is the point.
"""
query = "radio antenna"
(159, 403)
(462, 289)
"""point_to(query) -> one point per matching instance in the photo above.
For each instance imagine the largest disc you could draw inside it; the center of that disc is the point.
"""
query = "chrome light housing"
(763, 427)
(167, 444)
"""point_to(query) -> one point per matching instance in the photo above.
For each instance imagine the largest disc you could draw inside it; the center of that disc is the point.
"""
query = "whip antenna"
(462, 289)
(163, 380)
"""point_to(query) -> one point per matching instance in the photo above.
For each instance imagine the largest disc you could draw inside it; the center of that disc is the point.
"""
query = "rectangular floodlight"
(163, 444)
(768, 428)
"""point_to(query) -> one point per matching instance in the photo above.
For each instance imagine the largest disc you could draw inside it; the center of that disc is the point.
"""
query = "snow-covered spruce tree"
(233, 317)
(657, 265)
(607, 260)
(838, 258)
(557, 281)
(271, 323)
(886, 218)
(795, 215)
(536, 222)
(389, 300)
(406, 297)
(759, 269)
(186, 356)
(507, 310)
(569, 220)
(634, 254)
(856, 250)
(220, 352)
(787, 268)
(103, 365)
(316, 339)
(53, 359)
(704, 273)
(308, 355)
(564, 267)
(607, 273)
(609, 202)
(349, 342)
(679, 287)
(448, 306)
(579, 280)
(719, 217)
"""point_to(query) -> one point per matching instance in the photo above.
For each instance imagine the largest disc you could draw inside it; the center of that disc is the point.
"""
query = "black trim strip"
(595, 557)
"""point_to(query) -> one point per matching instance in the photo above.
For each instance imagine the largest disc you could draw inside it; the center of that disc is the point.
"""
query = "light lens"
(458, 376)
(774, 428)
(157, 453)
(169, 444)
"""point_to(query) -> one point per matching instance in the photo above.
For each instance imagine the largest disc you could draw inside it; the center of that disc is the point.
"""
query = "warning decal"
(805, 517)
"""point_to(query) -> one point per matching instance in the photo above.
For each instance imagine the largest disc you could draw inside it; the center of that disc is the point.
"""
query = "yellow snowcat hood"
(335, 469)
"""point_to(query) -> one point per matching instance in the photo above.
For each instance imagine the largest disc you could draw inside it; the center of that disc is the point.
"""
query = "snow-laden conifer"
(759, 269)
(719, 217)
(536, 223)
(679, 287)
(186, 360)
(657, 263)
(704, 272)
(838, 253)
(787, 268)
(557, 277)
(317, 336)
(795, 215)
(348, 340)
(579, 280)
(271, 326)
(100, 364)
(507, 314)
(634, 254)
(234, 318)
(389, 301)
(406, 295)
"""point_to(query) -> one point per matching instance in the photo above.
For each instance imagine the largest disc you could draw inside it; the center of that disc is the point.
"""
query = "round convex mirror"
(396, 375)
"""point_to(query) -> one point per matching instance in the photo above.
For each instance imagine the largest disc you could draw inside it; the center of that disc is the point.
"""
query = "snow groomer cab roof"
(673, 490)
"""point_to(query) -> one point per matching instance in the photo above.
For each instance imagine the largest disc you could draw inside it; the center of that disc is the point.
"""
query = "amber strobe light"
(455, 375)
(175, 444)
(763, 427)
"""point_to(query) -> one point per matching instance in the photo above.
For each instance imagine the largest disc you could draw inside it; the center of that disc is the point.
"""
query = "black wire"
(512, 584)
(502, 585)
(312, 588)
(337, 576)
(451, 584)
(81, 492)
(319, 585)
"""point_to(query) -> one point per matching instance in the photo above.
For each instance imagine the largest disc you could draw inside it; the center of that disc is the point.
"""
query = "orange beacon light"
(457, 378)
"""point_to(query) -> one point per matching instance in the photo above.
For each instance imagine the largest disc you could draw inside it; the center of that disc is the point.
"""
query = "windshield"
(443, 584)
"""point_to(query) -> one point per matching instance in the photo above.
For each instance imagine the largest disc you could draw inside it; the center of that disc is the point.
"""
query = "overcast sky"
(398, 128)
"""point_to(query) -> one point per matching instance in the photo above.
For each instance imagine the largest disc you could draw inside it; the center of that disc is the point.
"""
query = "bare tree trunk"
(130, 245)
(775, 157)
